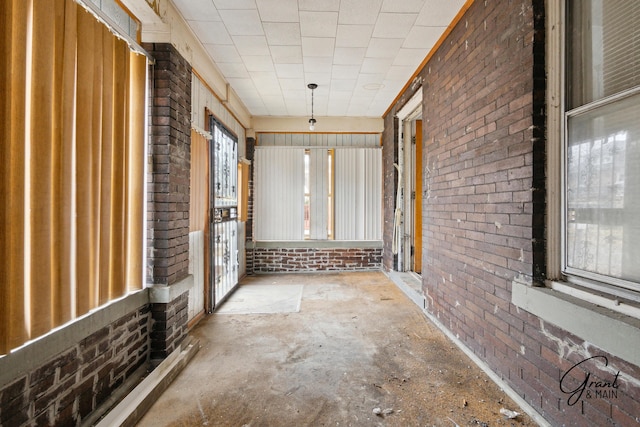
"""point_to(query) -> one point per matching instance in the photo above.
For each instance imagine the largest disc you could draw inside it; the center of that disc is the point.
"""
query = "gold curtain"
(199, 195)
(72, 156)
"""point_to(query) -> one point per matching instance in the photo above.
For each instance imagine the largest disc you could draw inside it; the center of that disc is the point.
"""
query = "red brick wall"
(66, 389)
(269, 260)
(483, 222)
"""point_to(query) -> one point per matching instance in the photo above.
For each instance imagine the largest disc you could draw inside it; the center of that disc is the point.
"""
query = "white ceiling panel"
(422, 36)
(234, 4)
(282, 34)
(324, 5)
(251, 45)
(213, 32)
(354, 35)
(289, 71)
(376, 65)
(278, 10)
(292, 84)
(436, 13)
(318, 24)
(349, 55)
(394, 25)
(258, 63)
(225, 53)
(404, 6)
(233, 69)
(286, 54)
(359, 52)
(198, 10)
(345, 72)
(410, 57)
(384, 48)
(318, 46)
(242, 22)
(359, 12)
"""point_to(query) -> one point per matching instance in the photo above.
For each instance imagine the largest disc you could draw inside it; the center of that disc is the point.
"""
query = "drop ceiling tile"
(419, 37)
(339, 95)
(197, 10)
(244, 87)
(318, 24)
(289, 71)
(258, 63)
(318, 64)
(324, 5)
(316, 46)
(436, 13)
(404, 6)
(266, 83)
(376, 65)
(369, 80)
(292, 84)
(343, 85)
(383, 48)
(278, 10)
(210, 32)
(234, 4)
(349, 55)
(251, 45)
(410, 57)
(233, 70)
(286, 54)
(322, 80)
(394, 25)
(295, 106)
(282, 33)
(223, 53)
(353, 35)
(242, 22)
(345, 71)
(399, 73)
(359, 11)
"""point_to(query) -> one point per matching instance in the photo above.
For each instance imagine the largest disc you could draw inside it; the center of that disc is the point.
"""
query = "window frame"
(610, 285)
(584, 289)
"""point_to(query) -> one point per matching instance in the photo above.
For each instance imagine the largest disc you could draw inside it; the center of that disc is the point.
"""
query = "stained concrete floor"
(328, 349)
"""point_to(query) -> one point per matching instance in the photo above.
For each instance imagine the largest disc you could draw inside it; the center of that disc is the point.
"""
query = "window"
(73, 150)
(318, 194)
(602, 145)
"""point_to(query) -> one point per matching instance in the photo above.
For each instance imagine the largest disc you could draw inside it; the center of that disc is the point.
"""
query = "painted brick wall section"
(169, 166)
(267, 260)
(168, 196)
(483, 221)
(67, 388)
(169, 326)
(389, 157)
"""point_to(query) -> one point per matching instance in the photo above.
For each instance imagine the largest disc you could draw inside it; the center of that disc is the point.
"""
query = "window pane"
(603, 190)
(604, 49)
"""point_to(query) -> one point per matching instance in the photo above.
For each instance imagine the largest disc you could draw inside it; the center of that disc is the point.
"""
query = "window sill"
(614, 332)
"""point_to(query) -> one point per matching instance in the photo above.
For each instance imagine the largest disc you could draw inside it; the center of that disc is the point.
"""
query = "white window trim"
(606, 321)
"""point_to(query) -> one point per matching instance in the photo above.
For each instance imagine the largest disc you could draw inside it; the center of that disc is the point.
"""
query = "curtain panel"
(72, 177)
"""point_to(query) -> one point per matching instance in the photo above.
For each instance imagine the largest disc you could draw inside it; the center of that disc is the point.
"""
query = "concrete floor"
(327, 349)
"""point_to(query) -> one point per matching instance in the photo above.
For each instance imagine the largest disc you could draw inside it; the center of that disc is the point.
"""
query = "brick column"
(168, 197)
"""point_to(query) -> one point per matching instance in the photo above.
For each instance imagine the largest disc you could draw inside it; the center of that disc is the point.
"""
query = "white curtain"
(279, 194)
(358, 194)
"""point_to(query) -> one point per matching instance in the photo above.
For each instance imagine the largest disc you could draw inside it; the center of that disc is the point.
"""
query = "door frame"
(408, 218)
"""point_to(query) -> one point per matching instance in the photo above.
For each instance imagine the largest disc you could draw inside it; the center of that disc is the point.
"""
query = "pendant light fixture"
(312, 121)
